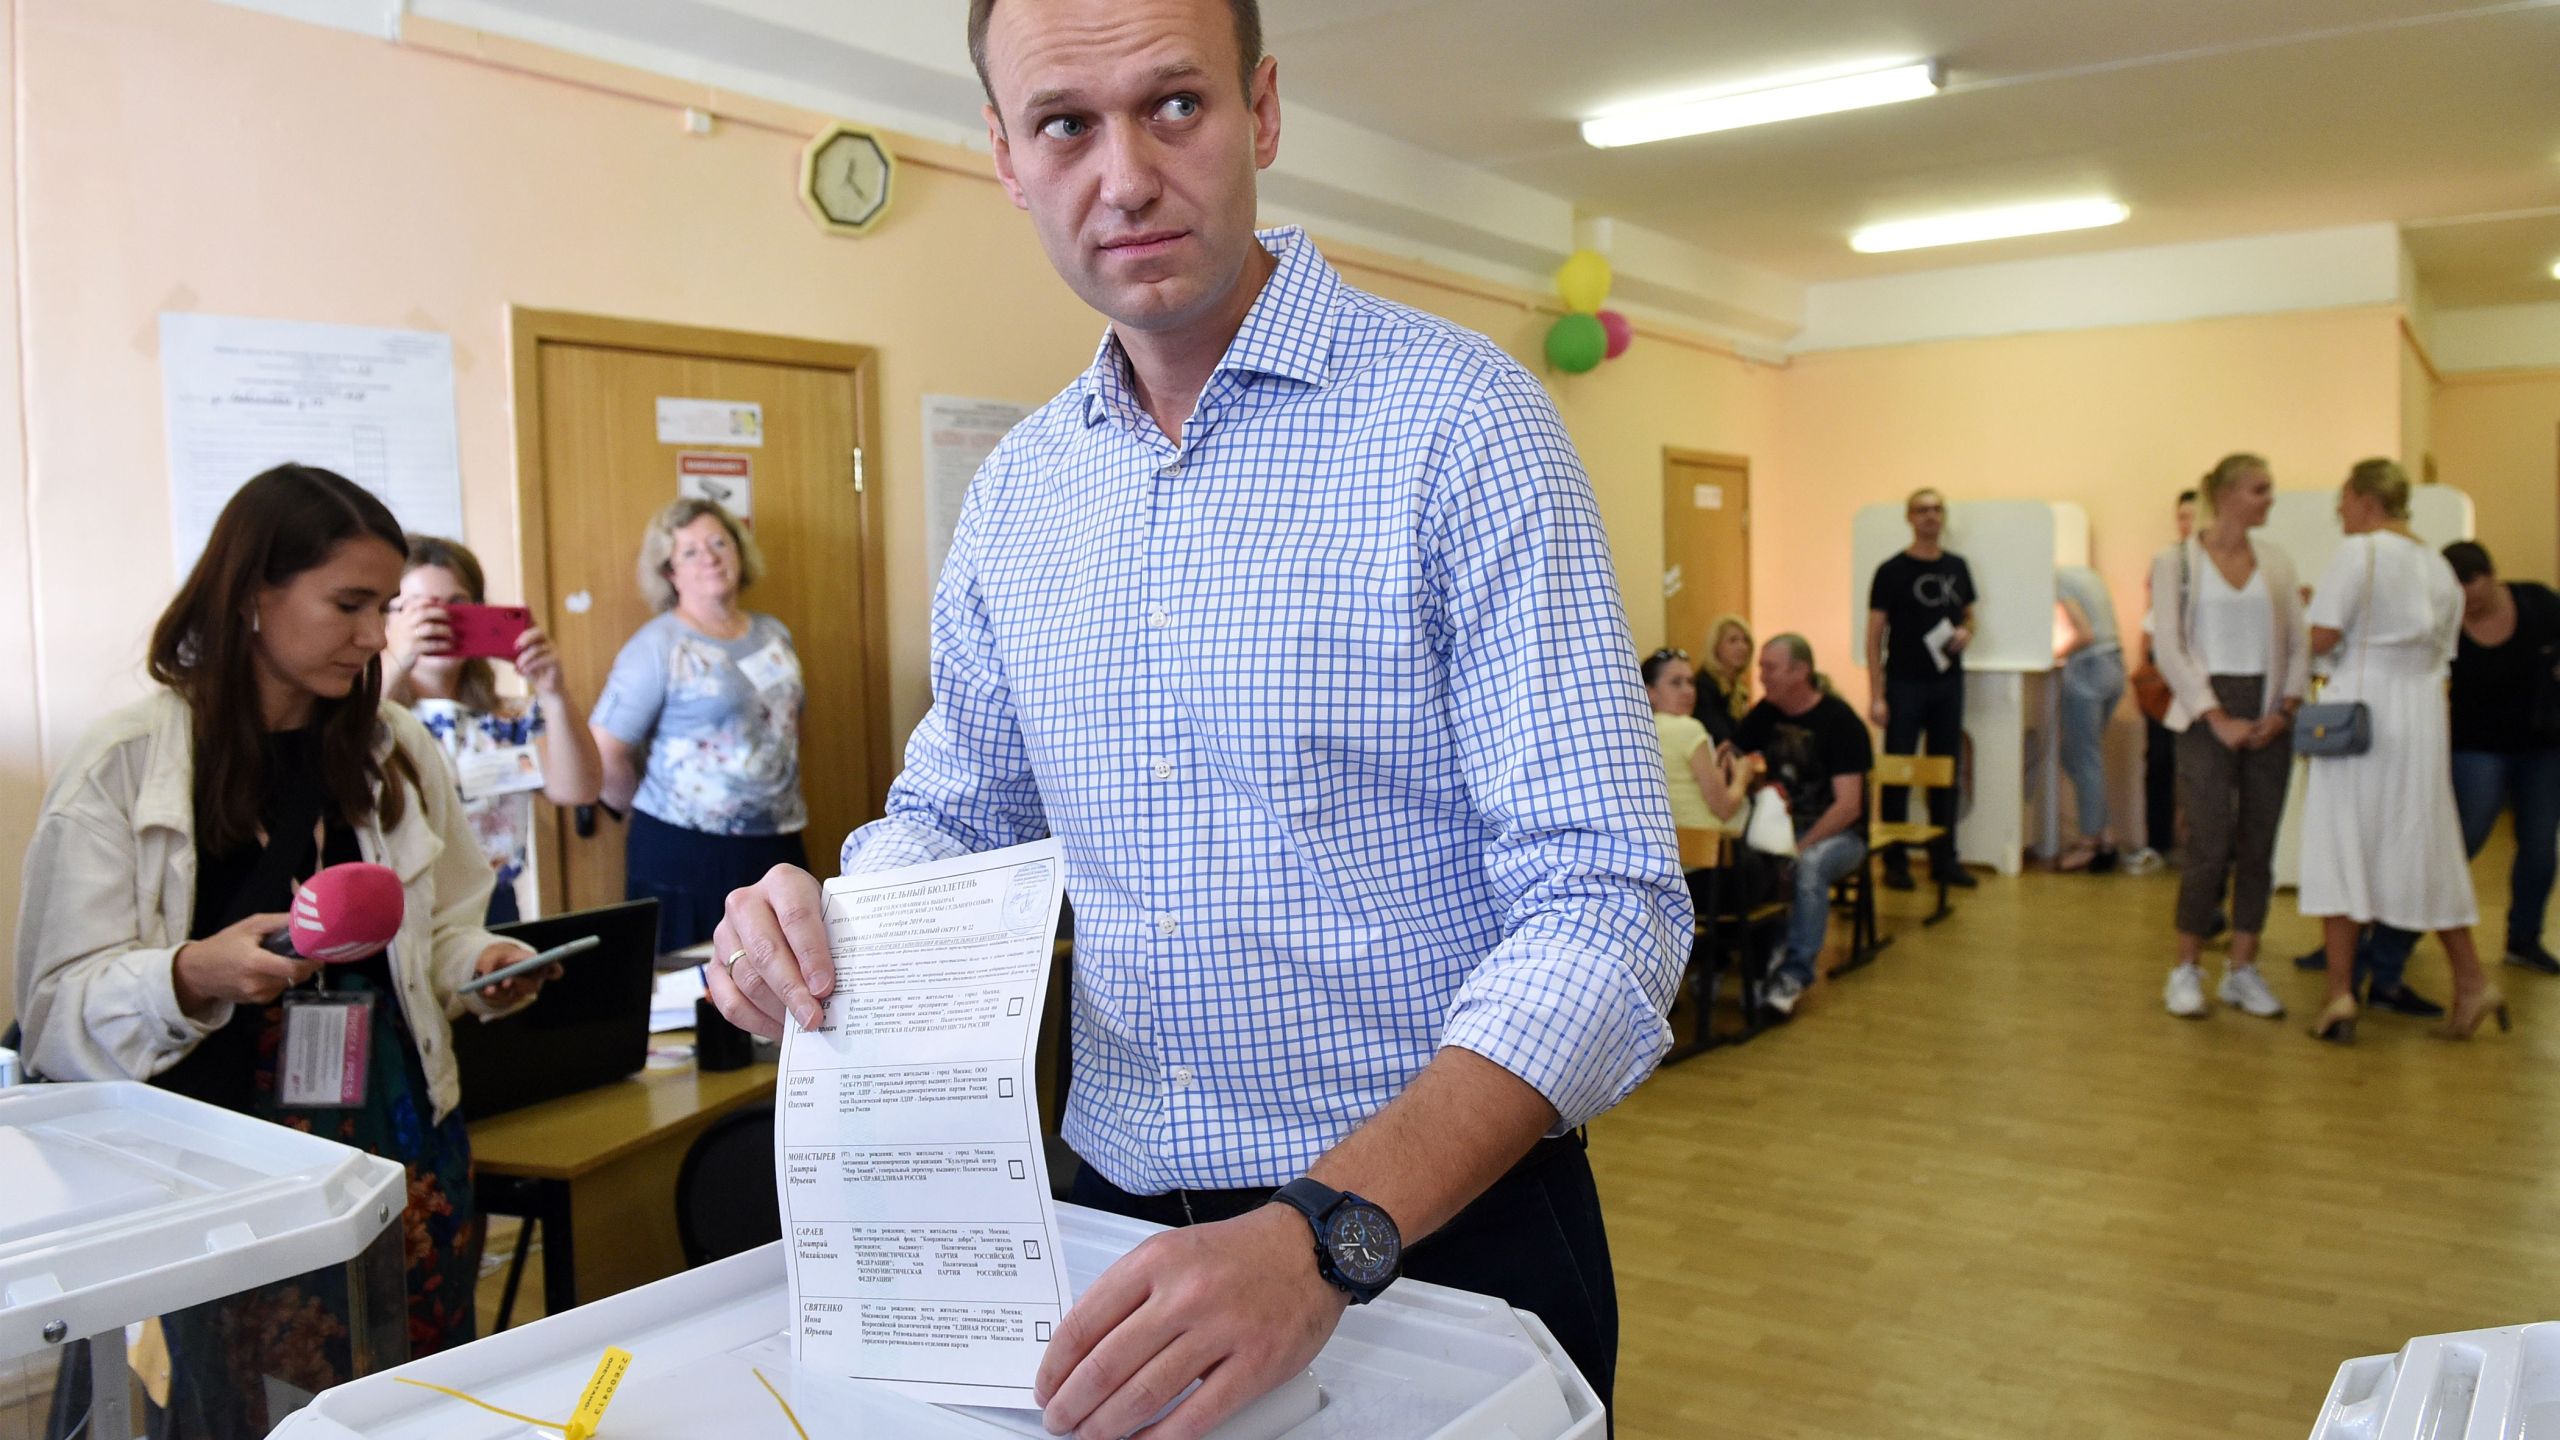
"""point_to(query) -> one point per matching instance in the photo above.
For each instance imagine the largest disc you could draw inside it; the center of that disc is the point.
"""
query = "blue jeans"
(2484, 784)
(2092, 687)
(1819, 866)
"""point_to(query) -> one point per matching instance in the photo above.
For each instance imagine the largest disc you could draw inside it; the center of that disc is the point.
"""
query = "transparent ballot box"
(710, 1359)
(2501, 1384)
(158, 1251)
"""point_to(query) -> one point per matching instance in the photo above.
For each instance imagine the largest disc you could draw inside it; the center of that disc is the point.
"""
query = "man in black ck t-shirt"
(1919, 621)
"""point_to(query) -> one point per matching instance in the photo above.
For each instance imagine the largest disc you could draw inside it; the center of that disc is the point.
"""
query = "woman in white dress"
(2381, 841)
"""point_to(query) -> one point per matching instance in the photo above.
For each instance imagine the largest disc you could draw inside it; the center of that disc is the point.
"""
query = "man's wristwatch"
(1359, 1251)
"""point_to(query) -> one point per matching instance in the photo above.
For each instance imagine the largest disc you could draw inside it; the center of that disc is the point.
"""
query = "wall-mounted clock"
(845, 177)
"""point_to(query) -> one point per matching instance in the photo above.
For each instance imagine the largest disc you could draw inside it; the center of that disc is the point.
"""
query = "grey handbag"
(2327, 731)
(2337, 729)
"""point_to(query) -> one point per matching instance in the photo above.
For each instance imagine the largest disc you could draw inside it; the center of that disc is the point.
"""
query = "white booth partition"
(2305, 524)
(2008, 769)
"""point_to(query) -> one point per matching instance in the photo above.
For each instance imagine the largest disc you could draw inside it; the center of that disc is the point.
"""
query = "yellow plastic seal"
(589, 1416)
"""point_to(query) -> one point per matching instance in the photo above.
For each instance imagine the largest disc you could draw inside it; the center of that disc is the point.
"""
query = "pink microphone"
(346, 912)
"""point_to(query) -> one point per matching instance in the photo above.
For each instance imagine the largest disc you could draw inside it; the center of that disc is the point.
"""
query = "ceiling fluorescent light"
(1669, 120)
(1975, 225)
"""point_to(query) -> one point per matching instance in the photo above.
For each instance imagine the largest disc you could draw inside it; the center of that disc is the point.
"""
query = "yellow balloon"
(1583, 281)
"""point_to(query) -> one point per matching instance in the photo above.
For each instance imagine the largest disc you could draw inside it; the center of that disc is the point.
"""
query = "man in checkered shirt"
(1293, 619)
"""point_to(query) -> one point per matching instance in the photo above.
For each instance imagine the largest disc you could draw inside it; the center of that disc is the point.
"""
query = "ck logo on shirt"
(1937, 591)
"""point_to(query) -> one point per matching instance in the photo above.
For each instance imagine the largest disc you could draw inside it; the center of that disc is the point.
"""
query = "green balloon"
(1577, 343)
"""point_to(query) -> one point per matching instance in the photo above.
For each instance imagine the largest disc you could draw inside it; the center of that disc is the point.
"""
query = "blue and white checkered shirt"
(1335, 709)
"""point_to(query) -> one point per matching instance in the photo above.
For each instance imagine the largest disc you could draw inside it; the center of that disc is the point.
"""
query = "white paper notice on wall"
(1707, 497)
(1672, 580)
(959, 434)
(721, 477)
(246, 395)
(709, 422)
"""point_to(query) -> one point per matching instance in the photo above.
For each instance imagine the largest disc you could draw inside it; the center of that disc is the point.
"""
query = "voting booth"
(710, 1357)
(121, 1203)
(2304, 523)
(2501, 1384)
(2009, 767)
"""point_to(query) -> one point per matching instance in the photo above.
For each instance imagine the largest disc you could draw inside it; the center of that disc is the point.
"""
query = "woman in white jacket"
(167, 852)
(2227, 634)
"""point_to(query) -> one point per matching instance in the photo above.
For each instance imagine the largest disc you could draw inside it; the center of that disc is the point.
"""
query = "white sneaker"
(2142, 861)
(1782, 994)
(2242, 986)
(2186, 992)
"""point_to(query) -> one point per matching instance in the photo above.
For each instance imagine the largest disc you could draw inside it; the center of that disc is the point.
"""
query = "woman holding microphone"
(167, 854)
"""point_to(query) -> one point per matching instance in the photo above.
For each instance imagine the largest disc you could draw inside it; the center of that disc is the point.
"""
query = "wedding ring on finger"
(730, 965)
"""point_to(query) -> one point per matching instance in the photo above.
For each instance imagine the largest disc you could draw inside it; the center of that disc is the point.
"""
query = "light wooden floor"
(1988, 1188)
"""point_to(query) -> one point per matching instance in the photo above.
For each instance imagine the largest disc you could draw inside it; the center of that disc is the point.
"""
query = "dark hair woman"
(167, 853)
(502, 747)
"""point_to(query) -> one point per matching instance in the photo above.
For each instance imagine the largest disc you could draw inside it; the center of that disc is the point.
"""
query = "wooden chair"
(1720, 943)
(1921, 774)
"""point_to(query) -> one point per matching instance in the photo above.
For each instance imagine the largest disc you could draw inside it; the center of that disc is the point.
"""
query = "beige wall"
(172, 164)
(21, 772)
(2117, 420)
(2417, 407)
(193, 156)
(2497, 436)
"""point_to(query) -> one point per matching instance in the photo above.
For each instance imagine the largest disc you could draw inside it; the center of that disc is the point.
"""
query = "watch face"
(1363, 1244)
(847, 178)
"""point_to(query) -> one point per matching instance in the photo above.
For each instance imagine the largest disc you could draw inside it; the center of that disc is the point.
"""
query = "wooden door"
(596, 469)
(1706, 544)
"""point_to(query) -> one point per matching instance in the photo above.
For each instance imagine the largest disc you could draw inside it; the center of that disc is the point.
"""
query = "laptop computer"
(589, 1027)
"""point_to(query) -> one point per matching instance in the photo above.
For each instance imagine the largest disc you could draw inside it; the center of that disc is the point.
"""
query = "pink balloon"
(1621, 332)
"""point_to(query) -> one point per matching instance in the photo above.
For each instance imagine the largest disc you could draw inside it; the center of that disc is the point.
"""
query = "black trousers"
(1930, 710)
(2160, 787)
(1534, 1240)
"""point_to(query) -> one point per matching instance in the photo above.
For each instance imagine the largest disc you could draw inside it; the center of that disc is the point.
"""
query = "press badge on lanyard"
(770, 668)
(328, 1038)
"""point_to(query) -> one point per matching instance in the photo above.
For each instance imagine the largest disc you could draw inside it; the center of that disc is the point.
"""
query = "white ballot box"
(2501, 1384)
(709, 1356)
(121, 1203)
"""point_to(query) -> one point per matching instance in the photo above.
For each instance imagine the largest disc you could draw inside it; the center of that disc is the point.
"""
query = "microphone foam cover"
(347, 912)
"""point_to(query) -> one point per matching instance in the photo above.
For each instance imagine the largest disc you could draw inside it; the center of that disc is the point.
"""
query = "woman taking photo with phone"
(502, 748)
(165, 859)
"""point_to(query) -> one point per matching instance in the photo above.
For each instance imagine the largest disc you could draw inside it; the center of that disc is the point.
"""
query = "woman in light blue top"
(2092, 687)
(699, 726)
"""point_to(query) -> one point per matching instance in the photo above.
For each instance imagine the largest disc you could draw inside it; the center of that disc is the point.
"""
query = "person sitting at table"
(1813, 745)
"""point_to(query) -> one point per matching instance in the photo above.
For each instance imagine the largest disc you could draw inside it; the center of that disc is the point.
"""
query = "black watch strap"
(1309, 1197)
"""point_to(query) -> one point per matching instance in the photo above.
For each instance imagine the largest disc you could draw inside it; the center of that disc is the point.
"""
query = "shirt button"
(1165, 926)
(1164, 769)
(1181, 1077)
(1159, 618)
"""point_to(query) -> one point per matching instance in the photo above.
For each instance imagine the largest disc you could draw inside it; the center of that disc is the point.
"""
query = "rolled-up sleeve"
(967, 785)
(1563, 763)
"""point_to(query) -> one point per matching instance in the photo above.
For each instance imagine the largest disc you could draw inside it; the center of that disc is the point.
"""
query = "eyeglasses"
(1669, 652)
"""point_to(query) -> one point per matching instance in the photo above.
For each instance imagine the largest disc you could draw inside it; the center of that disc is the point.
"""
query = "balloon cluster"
(1586, 334)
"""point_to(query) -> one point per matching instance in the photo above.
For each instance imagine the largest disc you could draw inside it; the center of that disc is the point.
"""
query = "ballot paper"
(922, 1244)
(1937, 638)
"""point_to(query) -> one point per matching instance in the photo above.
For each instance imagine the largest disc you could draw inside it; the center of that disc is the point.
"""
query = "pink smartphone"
(486, 632)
